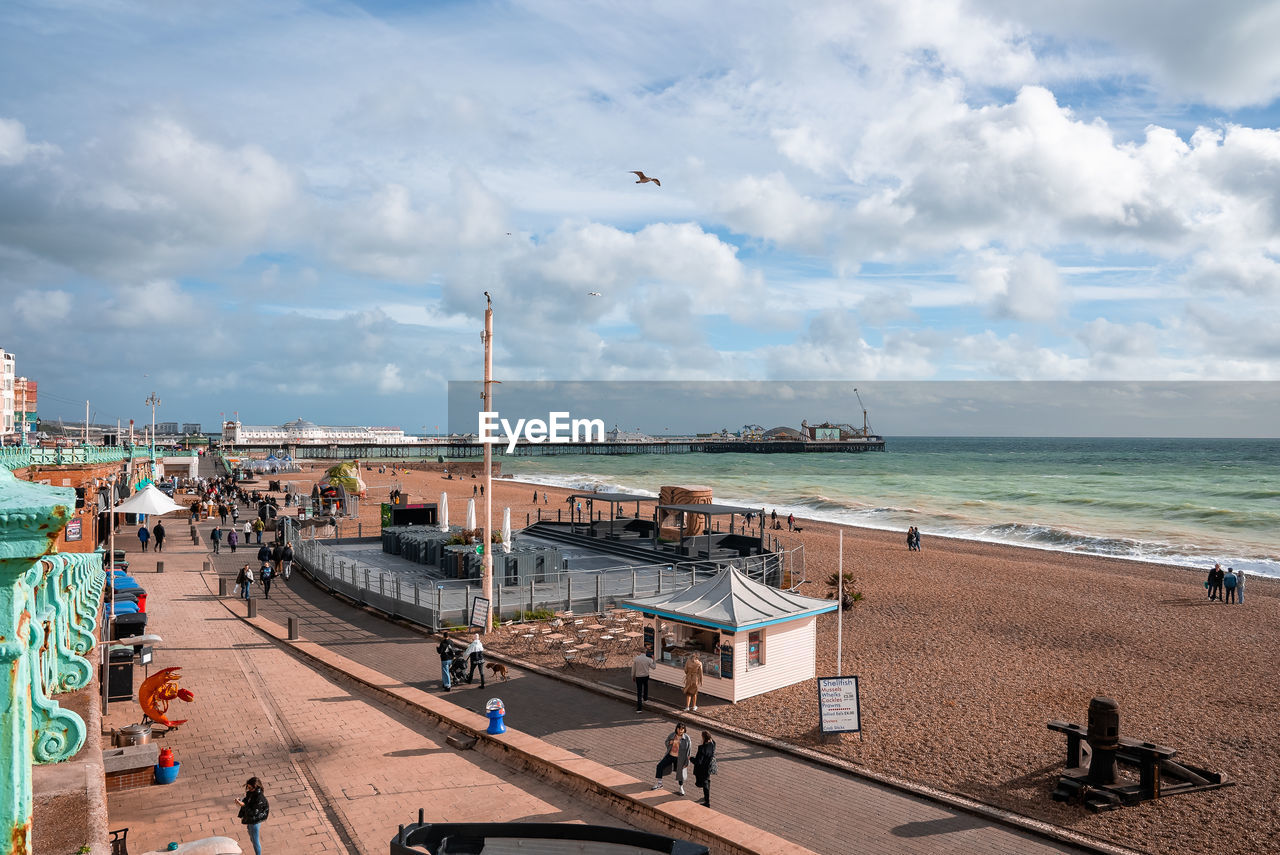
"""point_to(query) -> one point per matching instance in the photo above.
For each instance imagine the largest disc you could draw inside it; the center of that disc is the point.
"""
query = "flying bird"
(644, 179)
(594, 294)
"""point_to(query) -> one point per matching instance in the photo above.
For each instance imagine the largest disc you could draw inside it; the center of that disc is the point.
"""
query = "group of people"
(273, 561)
(1225, 586)
(156, 533)
(473, 656)
(913, 539)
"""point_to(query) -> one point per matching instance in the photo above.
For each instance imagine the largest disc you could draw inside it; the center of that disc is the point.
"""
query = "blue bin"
(167, 774)
(122, 608)
(495, 711)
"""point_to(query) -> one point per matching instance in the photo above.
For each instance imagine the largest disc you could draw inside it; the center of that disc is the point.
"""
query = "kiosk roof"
(731, 601)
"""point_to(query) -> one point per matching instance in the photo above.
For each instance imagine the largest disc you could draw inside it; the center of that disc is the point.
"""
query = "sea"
(1186, 502)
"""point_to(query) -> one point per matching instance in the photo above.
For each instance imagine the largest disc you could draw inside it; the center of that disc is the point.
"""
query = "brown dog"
(498, 669)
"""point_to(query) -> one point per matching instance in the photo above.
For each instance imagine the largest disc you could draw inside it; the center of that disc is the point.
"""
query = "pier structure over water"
(453, 450)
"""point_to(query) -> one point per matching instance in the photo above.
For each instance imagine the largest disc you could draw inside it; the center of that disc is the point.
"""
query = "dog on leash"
(498, 669)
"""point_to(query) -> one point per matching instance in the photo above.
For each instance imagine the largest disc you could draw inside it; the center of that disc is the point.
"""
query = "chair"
(570, 658)
(601, 658)
(119, 842)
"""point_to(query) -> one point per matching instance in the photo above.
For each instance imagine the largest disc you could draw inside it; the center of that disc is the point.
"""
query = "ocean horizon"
(1179, 501)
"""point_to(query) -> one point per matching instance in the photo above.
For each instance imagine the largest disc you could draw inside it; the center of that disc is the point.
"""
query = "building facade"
(7, 377)
(25, 402)
(303, 432)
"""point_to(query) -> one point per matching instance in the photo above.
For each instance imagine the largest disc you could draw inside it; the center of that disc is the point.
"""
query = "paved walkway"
(814, 806)
(341, 772)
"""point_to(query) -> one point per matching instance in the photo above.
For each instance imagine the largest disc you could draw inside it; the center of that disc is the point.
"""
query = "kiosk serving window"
(680, 641)
(755, 649)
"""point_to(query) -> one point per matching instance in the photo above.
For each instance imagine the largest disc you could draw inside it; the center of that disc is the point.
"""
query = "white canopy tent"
(148, 501)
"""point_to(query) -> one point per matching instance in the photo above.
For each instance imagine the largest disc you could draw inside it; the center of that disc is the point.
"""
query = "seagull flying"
(594, 294)
(644, 179)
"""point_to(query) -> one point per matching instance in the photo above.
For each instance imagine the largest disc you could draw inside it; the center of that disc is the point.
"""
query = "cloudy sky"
(292, 209)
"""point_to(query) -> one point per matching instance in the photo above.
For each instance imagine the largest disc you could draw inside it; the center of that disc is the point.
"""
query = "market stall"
(750, 637)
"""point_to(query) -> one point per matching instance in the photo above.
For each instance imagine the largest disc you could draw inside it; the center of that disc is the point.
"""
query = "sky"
(291, 209)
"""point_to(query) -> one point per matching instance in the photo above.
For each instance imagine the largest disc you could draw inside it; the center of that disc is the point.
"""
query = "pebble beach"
(966, 650)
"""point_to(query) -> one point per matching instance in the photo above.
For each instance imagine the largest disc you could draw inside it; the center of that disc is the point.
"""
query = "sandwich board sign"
(839, 710)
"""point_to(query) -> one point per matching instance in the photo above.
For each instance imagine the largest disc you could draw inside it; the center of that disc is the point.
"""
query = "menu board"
(839, 710)
(73, 530)
(726, 660)
(648, 641)
(479, 606)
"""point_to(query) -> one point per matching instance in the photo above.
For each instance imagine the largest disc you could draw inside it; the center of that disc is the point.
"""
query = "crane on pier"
(752, 432)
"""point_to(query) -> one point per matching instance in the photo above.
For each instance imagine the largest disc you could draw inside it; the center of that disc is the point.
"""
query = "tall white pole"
(840, 608)
(487, 585)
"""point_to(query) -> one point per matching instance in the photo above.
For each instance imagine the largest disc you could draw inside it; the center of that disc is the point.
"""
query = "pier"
(453, 450)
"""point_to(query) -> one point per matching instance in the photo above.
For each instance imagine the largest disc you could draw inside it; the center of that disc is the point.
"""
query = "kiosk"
(750, 637)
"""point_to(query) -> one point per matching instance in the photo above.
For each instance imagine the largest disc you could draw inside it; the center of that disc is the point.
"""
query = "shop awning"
(733, 602)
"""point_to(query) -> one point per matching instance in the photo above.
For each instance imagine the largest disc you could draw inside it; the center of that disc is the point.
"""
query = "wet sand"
(966, 650)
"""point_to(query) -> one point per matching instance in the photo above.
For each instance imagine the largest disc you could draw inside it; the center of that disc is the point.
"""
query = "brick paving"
(341, 771)
(809, 804)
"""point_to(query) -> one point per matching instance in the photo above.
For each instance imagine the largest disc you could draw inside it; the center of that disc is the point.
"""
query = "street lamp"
(153, 402)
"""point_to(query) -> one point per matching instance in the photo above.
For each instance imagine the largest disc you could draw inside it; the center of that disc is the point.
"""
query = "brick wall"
(130, 780)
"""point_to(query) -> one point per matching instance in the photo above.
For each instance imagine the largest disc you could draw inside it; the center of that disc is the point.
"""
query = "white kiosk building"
(750, 637)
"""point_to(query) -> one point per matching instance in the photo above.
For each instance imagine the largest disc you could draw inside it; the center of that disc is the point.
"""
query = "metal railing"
(21, 456)
(447, 602)
(48, 615)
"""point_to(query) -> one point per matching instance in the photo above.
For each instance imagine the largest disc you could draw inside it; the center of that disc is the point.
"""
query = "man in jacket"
(475, 653)
(446, 652)
(277, 557)
(641, 667)
(286, 559)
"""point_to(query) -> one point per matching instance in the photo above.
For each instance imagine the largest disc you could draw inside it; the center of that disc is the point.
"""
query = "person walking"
(676, 758)
(704, 766)
(1208, 583)
(1240, 587)
(215, 537)
(1218, 576)
(266, 573)
(144, 535)
(692, 681)
(641, 668)
(232, 539)
(235, 514)
(258, 528)
(157, 532)
(254, 811)
(475, 656)
(277, 556)
(545, 500)
(445, 651)
(791, 522)
(248, 532)
(264, 553)
(222, 512)
(286, 559)
(244, 579)
(1229, 583)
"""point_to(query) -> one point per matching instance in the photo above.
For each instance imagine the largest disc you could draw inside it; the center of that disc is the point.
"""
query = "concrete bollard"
(222, 586)
(159, 566)
(208, 566)
(253, 608)
(293, 629)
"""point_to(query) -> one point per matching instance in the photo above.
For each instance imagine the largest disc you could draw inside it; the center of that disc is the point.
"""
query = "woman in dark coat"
(704, 766)
(253, 810)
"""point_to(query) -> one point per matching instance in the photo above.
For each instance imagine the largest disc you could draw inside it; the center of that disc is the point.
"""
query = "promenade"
(817, 807)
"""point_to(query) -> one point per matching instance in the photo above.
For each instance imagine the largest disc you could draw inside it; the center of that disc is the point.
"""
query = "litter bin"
(120, 675)
(127, 626)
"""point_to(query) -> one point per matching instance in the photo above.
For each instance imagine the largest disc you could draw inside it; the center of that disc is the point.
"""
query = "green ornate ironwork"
(47, 603)
(20, 456)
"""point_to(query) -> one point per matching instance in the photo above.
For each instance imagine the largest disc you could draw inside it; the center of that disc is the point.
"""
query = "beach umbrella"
(506, 529)
(471, 515)
(444, 511)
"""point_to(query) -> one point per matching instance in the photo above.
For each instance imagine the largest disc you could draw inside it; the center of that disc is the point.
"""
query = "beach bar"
(751, 638)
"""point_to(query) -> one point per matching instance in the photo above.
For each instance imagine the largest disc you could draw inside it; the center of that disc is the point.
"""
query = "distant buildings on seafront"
(17, 401)
(302, 432)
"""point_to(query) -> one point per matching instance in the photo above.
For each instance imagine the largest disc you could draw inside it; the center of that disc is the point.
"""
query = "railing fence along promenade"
(447, 602)
(48, 616)
(21, 456)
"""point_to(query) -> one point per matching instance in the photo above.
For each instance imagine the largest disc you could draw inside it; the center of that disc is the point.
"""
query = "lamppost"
(487, 581)
(153, 402)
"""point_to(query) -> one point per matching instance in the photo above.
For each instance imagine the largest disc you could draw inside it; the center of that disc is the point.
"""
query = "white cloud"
(42, 307)
(1026, 287)
(389, 379)
(157, 303)
(14, 148)
(771, 208)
